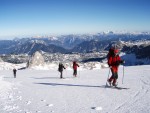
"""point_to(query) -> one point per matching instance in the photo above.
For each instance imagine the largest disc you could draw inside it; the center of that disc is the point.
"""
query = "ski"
(115, 87)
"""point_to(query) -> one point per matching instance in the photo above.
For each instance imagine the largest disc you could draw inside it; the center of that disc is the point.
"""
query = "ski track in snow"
(142, 91)
(135, 98)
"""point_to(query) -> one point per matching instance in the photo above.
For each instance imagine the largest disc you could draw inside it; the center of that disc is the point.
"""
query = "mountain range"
(129, 43)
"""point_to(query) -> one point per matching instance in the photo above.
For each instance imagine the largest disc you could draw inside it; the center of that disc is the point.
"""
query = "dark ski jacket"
(14, 70)
(61, 67)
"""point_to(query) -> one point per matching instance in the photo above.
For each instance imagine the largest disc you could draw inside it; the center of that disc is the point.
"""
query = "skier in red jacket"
(75, 65)
(114, 61)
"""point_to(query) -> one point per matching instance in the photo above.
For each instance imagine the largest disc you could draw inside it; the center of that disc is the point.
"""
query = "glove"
(122, 62)
(117, 63)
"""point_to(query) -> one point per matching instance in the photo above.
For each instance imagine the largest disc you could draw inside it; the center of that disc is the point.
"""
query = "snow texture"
(42, 91)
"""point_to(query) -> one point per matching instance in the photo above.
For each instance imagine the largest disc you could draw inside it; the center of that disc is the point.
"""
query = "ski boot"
(114, 84)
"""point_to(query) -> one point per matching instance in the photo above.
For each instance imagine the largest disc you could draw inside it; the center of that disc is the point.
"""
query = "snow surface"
(42, 91)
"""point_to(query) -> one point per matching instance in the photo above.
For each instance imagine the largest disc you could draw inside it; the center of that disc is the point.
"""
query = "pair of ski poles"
(109, 74)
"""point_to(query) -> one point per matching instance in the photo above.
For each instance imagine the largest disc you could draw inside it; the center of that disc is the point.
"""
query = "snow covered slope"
(37, 91)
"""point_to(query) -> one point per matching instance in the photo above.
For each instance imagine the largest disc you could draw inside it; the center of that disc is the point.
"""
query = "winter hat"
(116, 51)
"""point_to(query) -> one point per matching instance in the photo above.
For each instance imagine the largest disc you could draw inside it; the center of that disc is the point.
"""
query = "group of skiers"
(61, 67)
(114, 61)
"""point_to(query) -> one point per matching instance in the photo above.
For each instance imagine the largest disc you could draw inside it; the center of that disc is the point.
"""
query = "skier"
(75, 65)
(14, 71)
(60, 69)
(114, 61)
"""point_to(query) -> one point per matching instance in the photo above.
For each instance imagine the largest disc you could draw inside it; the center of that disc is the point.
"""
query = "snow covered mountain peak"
(38, 42)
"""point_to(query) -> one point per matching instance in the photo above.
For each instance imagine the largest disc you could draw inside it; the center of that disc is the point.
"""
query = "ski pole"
(108, 76)
(79, 72)
(65, 69)
(123, 74)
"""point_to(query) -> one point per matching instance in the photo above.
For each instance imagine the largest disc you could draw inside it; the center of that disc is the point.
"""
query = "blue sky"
(21, 18)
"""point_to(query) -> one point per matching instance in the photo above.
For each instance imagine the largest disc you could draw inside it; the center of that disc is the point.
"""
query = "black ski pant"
(61, 74)
(74, 72)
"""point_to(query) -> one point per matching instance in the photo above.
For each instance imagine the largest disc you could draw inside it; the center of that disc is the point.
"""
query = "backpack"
(110, 53)
(60, 67)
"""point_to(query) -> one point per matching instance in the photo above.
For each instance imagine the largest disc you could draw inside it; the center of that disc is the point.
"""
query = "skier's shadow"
(72, 85)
